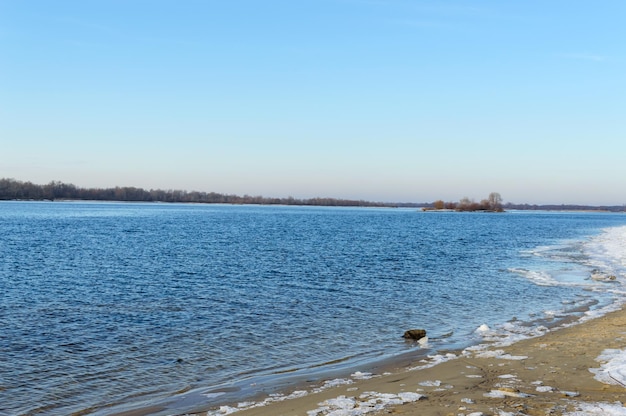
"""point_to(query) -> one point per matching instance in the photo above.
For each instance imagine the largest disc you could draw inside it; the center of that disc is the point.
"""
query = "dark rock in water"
(414, 334)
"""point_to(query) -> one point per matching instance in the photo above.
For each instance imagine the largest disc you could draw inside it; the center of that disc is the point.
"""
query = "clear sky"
(384, 100)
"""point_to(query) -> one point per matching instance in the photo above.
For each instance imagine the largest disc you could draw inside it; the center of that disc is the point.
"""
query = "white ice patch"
(423, 342)
(544, 389)
(361, 376)
(332, 383)
(499, 354)
(366, 403)
(340, 406)
(296, 394)
(501, 394)
(600, 409)
(227, 410)
(495, 394)
(433, 360)
(613, 368)
(509, 333)
(430, 383)
(483, 328)
(408, 397)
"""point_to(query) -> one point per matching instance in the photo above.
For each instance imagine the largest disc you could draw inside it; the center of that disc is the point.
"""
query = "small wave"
(541, 278)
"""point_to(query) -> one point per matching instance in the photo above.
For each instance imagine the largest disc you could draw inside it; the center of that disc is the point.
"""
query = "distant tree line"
(11, 189)
(493, 204)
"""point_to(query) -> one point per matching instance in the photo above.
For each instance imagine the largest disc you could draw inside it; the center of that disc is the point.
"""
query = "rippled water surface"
(103, 304)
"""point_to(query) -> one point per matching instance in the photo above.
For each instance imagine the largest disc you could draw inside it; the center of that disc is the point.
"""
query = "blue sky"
(385, 100)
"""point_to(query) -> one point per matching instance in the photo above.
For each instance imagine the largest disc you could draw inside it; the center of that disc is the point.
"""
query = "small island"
(493, 203)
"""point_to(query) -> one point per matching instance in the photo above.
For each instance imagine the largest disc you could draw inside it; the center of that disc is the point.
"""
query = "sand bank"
(551, 374)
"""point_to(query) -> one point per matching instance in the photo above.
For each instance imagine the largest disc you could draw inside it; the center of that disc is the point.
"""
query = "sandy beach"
(551, 374)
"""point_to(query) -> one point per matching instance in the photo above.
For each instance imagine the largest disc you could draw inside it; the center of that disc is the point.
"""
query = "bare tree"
(465, 204)
(495, 201)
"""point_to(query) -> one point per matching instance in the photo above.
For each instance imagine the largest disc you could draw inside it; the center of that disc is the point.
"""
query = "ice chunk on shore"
(501, 394)
(483, 328)
(366, 403)
(433, 360)
(430, 383)
(333, 383)
(613, 368)
(408, 396)
(603, 409)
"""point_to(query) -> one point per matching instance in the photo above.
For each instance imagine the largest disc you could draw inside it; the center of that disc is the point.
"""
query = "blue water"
(109, 304)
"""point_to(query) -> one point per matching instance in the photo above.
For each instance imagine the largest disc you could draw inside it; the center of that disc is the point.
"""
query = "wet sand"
(544, 375)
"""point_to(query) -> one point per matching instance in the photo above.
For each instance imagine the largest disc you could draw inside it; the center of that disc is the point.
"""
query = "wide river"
(107, 306)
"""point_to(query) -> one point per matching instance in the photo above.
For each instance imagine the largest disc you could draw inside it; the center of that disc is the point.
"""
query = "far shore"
(550, 374)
